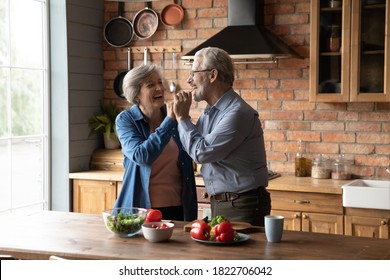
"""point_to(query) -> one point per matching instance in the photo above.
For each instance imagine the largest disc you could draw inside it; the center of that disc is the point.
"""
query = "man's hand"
(182, 105)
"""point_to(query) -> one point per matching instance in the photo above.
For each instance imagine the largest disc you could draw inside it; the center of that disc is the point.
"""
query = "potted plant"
(104, 123)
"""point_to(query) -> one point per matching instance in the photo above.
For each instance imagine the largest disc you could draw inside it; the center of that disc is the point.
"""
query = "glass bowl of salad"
(124, 222)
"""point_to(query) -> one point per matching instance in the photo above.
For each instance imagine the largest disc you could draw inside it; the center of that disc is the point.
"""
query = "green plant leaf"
(105, 121)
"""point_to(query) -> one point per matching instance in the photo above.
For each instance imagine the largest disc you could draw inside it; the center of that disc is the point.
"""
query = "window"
(23, 105)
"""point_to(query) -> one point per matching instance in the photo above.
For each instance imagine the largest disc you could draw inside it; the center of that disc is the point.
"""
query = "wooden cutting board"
(238, 226)
(104, 159)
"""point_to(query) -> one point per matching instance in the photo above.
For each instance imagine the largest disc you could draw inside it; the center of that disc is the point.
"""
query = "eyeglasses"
(192, 72)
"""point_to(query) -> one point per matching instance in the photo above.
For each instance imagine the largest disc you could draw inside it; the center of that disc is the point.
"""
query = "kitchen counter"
(307, 184)
(282, 183)
(38, 235)
(103, 175)
(300, 184)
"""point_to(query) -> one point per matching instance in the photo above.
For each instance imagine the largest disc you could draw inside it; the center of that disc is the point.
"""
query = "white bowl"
(124, 222)
(157, 234)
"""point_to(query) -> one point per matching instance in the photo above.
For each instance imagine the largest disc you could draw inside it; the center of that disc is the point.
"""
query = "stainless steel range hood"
(246, 38)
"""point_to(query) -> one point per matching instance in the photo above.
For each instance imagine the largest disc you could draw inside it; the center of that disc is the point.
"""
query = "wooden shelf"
(156, 49)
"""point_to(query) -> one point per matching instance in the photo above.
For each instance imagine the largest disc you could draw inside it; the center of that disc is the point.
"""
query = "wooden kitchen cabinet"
(97, 189)
(367, 223)
(93, 196)
(292, 219)
(323, 223)
(203, 202)
(310, 212)
(350, 51)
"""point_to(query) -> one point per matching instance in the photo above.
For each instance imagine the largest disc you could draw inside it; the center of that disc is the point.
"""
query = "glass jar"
(334, 42)
(335, 3)
(341, 169)
(320, 168)
(300, 161)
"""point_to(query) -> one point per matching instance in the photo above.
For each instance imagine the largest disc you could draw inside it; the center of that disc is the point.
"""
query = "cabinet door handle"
(305, 216)
(296, 216)
(383, 223)
(112, 183)
(302, 201)
(205, 195)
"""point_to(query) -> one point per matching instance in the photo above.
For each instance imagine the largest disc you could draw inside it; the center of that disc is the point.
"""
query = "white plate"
(243, 238)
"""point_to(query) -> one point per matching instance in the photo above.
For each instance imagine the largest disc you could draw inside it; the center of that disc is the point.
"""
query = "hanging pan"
(119, 31)
(145, 22)
(172, 14)
(118, 82)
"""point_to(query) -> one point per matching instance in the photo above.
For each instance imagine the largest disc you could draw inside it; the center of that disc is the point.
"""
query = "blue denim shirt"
(141, 148)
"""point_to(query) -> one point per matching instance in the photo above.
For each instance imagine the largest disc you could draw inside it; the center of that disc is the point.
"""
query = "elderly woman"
(158, 172)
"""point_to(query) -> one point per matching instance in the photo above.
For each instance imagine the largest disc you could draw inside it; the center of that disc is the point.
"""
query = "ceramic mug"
(273, 228)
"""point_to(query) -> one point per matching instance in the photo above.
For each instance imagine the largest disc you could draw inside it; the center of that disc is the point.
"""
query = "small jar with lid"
(341, 169)
(334, 41)
(320, 168)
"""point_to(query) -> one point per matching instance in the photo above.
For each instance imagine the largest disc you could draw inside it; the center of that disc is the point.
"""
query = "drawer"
(202, 195)
(311, 202)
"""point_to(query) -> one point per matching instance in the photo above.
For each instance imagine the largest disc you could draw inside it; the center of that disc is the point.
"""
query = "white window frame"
(43, 204)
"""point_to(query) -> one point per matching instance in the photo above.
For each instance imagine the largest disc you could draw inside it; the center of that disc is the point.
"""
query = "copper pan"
(172, 14)
(145, 22)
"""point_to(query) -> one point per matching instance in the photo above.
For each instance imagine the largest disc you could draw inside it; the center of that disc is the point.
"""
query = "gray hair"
(216, 58)
(135, 78)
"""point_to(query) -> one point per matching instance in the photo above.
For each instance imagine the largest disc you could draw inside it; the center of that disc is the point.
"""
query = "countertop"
(284, 183)
(38, 235)
(97, 175)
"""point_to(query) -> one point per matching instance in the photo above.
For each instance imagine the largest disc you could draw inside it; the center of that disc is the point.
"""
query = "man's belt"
(230, 196)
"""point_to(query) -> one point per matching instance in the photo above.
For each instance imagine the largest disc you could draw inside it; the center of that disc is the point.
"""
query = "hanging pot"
(145, 22)
(118, 82)
(172, 14)
(119, 31)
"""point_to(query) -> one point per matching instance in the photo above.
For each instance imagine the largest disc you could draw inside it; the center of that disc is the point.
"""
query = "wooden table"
(38, 235)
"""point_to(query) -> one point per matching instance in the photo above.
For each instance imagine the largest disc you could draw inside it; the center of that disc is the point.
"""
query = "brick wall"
(280, 92)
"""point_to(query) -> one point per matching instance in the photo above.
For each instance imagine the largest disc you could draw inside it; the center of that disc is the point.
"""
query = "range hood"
(246, 38)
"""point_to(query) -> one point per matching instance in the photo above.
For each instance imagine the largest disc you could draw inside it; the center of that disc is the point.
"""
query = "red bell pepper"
(200, 230)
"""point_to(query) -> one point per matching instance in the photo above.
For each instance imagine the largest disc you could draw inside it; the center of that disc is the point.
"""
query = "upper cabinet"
(350, 51)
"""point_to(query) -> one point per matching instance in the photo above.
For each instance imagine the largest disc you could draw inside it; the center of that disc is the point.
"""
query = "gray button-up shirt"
(228, 141)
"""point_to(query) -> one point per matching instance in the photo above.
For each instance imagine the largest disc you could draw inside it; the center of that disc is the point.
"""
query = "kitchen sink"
(373, 194)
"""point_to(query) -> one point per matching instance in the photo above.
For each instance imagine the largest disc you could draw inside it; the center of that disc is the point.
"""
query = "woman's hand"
(170, 111)
(182, 105)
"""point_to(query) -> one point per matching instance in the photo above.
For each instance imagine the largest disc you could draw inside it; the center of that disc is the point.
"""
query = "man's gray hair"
(216, 58)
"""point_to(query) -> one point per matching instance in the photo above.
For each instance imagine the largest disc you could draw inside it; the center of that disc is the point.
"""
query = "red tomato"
(224, 227)
(227, 236)
(153, 215)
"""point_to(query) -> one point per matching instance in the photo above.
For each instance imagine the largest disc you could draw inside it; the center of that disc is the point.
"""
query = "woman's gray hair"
(216, 58)
(135, 78)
